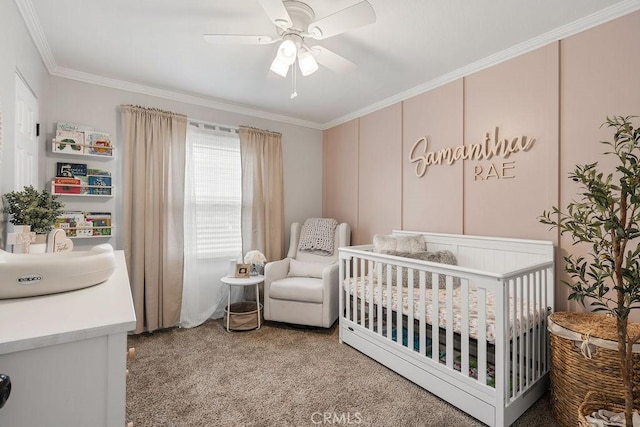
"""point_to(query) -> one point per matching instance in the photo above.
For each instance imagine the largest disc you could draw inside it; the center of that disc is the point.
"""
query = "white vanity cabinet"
(66, 355)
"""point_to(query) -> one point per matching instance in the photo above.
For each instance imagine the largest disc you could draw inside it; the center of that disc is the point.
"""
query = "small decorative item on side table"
(257, 261)
(242, 271)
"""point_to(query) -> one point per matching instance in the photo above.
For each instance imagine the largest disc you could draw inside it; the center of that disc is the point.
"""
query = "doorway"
(26, 145)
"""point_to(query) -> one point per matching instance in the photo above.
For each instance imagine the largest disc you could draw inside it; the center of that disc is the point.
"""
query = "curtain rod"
(213, 126)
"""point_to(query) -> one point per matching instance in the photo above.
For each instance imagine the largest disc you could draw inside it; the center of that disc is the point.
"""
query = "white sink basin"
(28, 275)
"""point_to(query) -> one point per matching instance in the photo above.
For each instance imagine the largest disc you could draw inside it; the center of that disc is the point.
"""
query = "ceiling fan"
(295, 22)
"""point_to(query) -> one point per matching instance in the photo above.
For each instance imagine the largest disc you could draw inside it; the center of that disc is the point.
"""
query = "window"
(213, 191)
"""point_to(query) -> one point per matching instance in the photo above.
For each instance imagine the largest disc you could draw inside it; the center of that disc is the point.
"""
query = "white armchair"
(303, 288)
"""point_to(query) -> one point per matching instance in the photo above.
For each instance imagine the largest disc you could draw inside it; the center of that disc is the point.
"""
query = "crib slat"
(464, 327)
(536, 325)
(449, 316)
(371, 289)
(435, 318)
(543, 324)
(514, 341)
(399, 305)
(528, 332)
(389, 302)
(410, 308)
(347, 278)
(481, 294)
(359, 285)
(422, 317)
(364, 287)
(379, 300)
(521, 340)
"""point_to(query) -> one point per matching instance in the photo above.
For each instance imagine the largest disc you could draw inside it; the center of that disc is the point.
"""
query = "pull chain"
(294, 93)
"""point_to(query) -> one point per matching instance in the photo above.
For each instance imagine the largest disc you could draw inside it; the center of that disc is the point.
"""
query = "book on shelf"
(71, 170)
(98, 143)
(72, 127)
(68, 221)
(98, 181)
(101, 222)
(85, 224)
(92, 171)
(84, 229)
(67, 186)
(69, 141)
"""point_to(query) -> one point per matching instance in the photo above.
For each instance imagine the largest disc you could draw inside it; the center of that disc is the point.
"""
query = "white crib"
(490, 355)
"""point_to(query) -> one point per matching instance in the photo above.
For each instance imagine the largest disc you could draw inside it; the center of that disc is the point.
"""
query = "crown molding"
(575, 27)
(32, 22)
(81, 76)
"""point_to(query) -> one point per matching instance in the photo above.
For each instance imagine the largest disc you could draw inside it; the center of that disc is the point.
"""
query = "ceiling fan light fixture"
(279, 67)
(307, 62)
(287, 52)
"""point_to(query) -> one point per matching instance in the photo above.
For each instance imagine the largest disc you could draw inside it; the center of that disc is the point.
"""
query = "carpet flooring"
(277, 376)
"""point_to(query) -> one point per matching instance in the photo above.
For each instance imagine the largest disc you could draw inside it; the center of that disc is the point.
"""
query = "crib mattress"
(362, 288)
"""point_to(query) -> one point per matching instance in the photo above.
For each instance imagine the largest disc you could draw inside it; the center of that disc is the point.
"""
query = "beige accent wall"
(379, 201)
(600, 77)
(435, 201)
(504, 196)
(340, 173)
(559, 94)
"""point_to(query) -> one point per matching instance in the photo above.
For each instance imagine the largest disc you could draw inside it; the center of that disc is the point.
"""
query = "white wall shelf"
(85, 225)
(108, 236)
(82, 178)
(84, 150)
(84, 189)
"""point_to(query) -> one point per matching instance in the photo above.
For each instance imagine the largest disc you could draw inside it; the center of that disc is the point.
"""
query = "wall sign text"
(490, 146)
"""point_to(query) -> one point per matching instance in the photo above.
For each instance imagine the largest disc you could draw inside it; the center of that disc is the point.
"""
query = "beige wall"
(502, 197)
(558, 94)
(17, 54)
(97, 106)
(379, 200)
(600, 77)
(433, 202)
(340, 173)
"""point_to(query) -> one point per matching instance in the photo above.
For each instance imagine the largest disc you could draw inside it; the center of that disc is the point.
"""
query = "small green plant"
(34, 208)
(607, 219)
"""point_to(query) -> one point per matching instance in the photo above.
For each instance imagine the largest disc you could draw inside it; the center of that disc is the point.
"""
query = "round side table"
(242, 281)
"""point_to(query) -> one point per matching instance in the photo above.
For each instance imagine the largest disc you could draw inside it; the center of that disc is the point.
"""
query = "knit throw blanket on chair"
(317, 236)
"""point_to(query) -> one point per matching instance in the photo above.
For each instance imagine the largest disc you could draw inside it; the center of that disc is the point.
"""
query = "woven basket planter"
(595, 401)
(584, 358)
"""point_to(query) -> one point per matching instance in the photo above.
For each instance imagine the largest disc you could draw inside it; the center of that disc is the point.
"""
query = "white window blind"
(214, 189)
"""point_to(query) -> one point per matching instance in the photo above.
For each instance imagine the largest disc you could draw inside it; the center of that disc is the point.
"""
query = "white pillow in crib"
(306, 268)
(410, 243)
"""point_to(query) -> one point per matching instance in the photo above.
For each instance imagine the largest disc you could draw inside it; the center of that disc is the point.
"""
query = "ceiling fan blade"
(239, 39)
(277, 13)
(352, 17)
(332, 60)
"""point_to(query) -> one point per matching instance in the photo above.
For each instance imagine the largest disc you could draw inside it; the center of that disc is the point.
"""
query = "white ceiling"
(157, 46)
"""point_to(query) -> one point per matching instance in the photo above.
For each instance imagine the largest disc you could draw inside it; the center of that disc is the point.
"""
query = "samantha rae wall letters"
(484, 150)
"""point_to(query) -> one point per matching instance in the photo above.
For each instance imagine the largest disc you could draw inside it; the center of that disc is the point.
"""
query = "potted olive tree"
(607, 218)
(39, 209)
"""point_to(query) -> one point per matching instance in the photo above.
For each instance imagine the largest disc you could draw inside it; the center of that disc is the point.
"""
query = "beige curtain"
(262, 192)
(153, 193)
